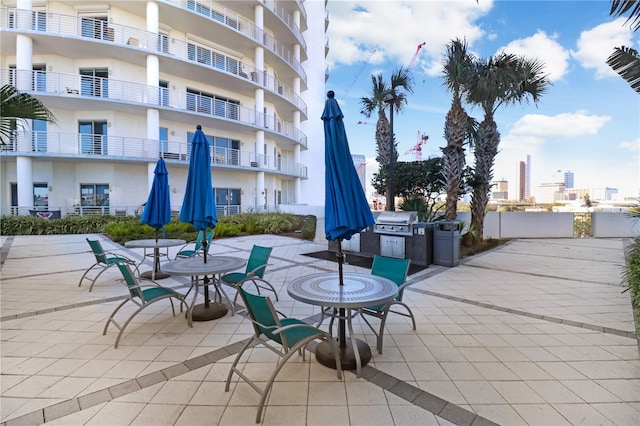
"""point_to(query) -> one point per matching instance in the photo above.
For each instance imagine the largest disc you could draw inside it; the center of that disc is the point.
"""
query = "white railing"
(224, 16)
(125, 147)
(284, 15)
(101, 31)
(107, 88)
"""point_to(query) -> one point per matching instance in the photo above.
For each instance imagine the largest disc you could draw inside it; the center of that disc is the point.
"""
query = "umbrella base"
(324, 354)
(206, 313)
(149, 275)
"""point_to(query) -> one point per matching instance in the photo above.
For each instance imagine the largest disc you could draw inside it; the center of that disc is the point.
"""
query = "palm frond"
(626, 62)
(621, 7)
(16, 106)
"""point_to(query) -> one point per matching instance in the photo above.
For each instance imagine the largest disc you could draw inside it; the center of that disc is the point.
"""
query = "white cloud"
(561, 125)
(595, 45)
(356, 28)
(630, 145)
(545, 48)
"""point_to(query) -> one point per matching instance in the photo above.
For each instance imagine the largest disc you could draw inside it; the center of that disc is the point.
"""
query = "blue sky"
(588, 122)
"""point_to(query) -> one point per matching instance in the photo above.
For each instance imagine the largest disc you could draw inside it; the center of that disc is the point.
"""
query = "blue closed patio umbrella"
(346, 210)
(199, 204)
(157, 212)
(199, 209)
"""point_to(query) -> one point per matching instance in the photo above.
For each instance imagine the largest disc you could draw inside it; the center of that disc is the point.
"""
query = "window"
(201, 9)
(164, 92)
(225, 151)
(227, 200)
(94, 194)
(212, 104)
(39, 136)
(96, 27)
(163, 43)
(164, 144)
(38, 20)
(94, 82)
(209, 57)
(93, 137)
(39, 81)
(40, 195)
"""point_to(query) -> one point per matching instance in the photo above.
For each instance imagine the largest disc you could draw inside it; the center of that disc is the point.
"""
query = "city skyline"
(587, 122)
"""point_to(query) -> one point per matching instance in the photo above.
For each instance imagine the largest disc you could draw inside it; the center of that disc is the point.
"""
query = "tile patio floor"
(536, 332)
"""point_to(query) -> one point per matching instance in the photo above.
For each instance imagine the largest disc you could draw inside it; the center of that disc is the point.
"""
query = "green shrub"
(125, 228)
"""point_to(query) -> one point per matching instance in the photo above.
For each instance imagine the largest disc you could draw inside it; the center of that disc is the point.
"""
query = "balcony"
(106, 89)
(123, 148)
(135, 39)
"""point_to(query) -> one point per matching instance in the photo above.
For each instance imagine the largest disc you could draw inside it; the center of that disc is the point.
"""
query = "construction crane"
(415, 56)
(364, 64)
(417, 148)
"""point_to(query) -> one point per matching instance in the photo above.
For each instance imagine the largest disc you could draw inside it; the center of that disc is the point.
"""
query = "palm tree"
(500, 80)
(458, 124)
(625, 60)
(401, 78)
(16, 106)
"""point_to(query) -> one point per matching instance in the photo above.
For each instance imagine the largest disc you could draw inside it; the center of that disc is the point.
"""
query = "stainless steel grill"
(395, 223)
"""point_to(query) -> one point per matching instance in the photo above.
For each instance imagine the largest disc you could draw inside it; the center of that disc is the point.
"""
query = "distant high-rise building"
(500, 190)
(568, 179)
(360, 163)
(520, 181)
(527, 180)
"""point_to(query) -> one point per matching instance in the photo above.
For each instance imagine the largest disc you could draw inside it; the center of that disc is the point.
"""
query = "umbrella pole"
(206, 277)
(342, 332)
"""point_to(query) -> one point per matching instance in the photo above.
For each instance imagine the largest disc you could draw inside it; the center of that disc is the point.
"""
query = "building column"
(24, 82)
(153, 97)
(24, 175)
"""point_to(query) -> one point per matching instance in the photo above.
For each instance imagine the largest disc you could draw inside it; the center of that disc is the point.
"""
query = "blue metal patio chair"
(104, 260)
(396, 270)
(289, 333)
(142, 295)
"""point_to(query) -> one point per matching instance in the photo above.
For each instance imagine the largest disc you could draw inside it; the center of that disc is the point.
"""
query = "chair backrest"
(200, 238)
(98, 251)
(392, 268)
(259, 257)
(130, 280)
(263, 314)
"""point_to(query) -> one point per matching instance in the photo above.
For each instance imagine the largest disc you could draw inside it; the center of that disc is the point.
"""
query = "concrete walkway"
(536, 332)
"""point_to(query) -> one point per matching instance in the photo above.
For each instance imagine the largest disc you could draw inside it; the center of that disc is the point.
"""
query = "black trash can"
(446, 243)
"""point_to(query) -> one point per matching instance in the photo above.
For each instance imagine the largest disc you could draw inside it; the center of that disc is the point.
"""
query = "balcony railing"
(227, 17)
(286, 17)
(128, 148)
(81, 27)
(106, 88)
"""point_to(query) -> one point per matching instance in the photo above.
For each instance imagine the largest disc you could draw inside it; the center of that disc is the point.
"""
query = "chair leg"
(113, 314)
(235, 362)
(96, 277)
(383, 320)
(86, 272)
(410, 313)
(268, 286)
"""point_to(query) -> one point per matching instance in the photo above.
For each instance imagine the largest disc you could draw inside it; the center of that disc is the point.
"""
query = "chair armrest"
(253, 271)
(292, 326)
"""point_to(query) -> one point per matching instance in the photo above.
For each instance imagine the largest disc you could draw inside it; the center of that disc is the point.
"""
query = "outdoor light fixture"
(389, 97)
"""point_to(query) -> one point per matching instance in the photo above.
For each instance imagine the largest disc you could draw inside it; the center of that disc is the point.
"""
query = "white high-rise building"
(128, 82)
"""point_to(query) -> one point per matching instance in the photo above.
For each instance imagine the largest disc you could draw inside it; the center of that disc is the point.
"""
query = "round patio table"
(196, 268)
(358, 291)
(156, 245)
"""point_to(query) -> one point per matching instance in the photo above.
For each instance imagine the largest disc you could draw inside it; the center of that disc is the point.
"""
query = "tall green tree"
(400, 78)
(625, 60)
(503, 79)
(459, 126)
(15, 107)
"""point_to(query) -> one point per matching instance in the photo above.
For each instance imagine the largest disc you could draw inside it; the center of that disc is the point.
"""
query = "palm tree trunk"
(486, 150)
(453, 156)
